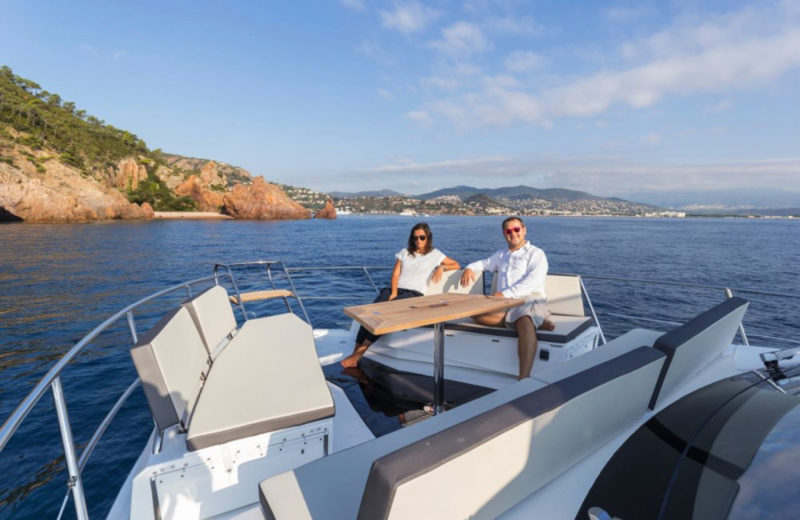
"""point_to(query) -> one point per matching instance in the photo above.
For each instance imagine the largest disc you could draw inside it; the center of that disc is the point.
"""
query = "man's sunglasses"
(515, 229)
(420, 238)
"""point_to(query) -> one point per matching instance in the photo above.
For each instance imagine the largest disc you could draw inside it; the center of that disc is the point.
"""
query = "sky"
(612, 98)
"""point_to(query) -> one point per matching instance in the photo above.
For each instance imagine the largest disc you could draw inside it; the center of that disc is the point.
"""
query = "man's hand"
(498, 294)
(437, 273)
(467, 277)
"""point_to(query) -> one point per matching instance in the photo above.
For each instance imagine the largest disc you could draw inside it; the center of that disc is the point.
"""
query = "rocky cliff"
(328, 211)
(37, 187)
(262, 201)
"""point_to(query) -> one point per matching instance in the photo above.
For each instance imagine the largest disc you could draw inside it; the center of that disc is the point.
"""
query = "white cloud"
(440, 82)
(628, 13)
(739, 64)
(374, 51)
(722, 106)
(356, 5)
(652, 139)
(461, 40)
(385, 94)
(515, 26)
(524, 61)
(408, 17)
(408, 166)
(90, 49)
(421, 117)
(119, 55)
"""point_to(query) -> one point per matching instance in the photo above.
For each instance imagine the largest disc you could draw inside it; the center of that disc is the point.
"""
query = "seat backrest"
(172, 363)
(485, 465)
(212, 314)
(692, 345)
(564, 296)
(451, 283)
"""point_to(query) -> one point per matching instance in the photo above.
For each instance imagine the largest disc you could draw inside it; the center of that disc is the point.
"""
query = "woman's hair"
(412, 245)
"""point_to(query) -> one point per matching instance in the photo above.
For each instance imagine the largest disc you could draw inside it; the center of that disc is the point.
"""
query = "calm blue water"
(60, 281)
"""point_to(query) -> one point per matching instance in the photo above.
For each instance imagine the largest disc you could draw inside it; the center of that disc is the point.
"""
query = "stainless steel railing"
(272, 270)
(52, 381)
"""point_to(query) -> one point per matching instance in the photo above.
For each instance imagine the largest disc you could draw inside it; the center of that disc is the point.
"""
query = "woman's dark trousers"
(363, 333)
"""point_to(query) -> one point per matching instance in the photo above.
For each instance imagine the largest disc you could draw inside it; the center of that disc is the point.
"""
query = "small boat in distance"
(254, 418)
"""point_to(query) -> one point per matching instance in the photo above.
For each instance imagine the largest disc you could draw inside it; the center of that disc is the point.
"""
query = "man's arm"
(476, 268)
(532, 281)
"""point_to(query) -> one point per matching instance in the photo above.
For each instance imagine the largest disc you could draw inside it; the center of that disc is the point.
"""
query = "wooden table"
(434, 309)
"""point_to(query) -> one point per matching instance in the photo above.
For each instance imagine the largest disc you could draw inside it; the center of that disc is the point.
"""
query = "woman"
(415, 265)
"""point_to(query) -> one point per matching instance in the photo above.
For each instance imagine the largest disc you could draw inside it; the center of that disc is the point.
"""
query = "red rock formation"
(263, 201)
(195, 188)
(128, 174)
(327, 212)
(148, 210)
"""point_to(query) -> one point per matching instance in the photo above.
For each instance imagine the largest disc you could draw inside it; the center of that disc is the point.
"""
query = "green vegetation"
(154, 191)
(82, 140)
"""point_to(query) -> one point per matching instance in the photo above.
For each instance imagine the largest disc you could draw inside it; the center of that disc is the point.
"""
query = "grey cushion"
(213, 316)
(567, 328)
(331, 487)
(692, 345)
(266, 379)
(171, 361)
(485, 465)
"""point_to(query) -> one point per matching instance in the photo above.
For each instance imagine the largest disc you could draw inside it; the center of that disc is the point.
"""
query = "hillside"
(60, 164)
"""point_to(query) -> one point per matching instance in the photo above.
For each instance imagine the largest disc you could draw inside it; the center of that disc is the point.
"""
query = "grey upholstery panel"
(564, 295)
(481, 476)
(172, 362)
(694, 344)
(331, 487)
(212, 314)
(266, 379)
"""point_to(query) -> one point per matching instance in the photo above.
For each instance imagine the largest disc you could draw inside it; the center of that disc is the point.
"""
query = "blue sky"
(610, 98)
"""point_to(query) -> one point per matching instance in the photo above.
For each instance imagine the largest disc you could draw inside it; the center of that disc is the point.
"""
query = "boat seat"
(268, 378)
(691, 346)
(479, 459)
(451, 283)
(567, 328)
(213, 317)
(172, 362)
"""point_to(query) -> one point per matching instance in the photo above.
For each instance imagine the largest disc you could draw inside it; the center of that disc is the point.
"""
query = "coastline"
(193, 215)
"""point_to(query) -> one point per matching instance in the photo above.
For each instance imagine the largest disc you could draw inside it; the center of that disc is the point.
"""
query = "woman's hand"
(437, 273)
(393, 295)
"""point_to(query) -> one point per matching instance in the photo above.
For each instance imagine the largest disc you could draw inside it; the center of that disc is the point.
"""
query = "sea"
(59, 281)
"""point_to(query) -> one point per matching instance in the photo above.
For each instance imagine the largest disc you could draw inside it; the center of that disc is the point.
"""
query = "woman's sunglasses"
(515, 229)
(420, 238)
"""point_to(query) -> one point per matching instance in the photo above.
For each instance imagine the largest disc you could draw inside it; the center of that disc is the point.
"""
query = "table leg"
(438, 368)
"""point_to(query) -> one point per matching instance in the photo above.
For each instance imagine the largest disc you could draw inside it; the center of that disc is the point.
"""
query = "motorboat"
(251, 419)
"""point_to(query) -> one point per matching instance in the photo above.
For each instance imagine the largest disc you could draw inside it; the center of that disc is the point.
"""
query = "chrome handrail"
(52, 380)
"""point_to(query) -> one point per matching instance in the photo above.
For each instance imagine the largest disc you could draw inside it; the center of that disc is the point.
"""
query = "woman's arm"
(398, 266)
(448, 264)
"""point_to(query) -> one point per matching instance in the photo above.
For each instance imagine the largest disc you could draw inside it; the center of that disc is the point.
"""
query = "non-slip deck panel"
(692, 345)
(412, 461)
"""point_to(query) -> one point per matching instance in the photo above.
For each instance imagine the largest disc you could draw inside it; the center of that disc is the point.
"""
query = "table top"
(408, 313)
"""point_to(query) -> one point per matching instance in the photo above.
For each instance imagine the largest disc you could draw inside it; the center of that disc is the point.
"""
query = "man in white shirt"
(521, 273)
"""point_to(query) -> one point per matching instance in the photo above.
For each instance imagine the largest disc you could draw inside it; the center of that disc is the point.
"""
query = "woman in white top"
(415, 265)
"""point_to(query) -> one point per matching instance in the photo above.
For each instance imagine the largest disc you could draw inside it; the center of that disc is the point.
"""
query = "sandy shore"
(205, 215)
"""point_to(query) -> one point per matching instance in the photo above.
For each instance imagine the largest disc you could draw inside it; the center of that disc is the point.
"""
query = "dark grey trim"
(153, 384)
(541, 335)
(392, 470)
(154, 493)
(670, 342)
(197, 442)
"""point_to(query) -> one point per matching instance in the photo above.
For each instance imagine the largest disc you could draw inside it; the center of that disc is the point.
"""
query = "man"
(521, 273)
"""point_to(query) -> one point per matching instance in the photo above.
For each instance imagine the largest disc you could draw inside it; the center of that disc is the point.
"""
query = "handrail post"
(132, 327)
(729, 294)
(370, 280)
(294, 291)
(69, 450)
(272, 284)
(591, 308)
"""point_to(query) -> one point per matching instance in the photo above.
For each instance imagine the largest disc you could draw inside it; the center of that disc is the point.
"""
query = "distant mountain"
(374, 193)
(512, 193)
(719, 200)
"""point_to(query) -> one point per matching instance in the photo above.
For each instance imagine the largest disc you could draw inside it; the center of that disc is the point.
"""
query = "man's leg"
(526, 345)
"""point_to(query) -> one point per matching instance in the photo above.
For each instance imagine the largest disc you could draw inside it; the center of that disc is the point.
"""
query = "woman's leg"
(365, 338)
